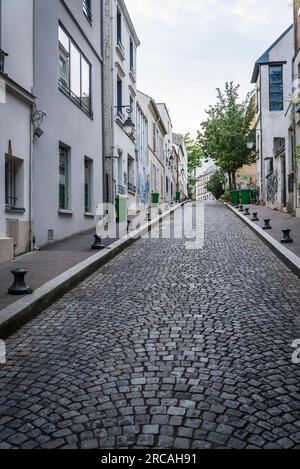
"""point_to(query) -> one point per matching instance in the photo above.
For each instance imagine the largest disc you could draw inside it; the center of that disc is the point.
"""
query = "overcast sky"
(190, 47)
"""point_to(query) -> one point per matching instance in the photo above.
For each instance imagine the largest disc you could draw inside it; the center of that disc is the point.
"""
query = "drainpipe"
(261, 140)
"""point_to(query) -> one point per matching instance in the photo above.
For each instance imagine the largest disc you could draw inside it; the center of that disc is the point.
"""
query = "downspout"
(112, 102)
(31, 155)
(261, 138)
(102, 100)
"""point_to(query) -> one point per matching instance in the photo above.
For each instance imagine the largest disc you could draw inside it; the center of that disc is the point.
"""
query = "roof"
(265, 57)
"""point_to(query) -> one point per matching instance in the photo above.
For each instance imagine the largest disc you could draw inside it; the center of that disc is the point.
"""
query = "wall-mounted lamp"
(128, 126)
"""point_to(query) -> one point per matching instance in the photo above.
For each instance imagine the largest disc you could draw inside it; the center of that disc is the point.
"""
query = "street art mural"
(272, 188)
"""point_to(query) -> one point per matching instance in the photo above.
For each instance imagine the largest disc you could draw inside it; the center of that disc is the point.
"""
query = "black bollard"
(254, 217)
(98, 245)
(19, 286)
(149, 218)
(247, 212)
(241, 208)
(286, 237)
(267, 225)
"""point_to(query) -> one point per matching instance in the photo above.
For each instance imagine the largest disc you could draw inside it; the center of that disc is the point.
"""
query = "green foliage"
(216, 184)
(226, 197)
(195, 157)
(195, 153)
(225, 132)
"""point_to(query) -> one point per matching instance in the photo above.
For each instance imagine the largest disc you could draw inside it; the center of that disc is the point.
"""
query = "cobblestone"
(163, 347)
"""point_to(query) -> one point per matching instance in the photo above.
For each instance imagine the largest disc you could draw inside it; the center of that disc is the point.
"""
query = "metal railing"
(87, 10)
(132, 188)
(2, 60)
(86, 108)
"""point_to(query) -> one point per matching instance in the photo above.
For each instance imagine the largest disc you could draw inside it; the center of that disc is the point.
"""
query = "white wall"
(273, 124)
(65, 122)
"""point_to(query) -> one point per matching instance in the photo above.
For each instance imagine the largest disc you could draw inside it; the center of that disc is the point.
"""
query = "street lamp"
(128, 126)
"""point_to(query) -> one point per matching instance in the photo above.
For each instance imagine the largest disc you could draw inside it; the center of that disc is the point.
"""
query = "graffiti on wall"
(272, 187)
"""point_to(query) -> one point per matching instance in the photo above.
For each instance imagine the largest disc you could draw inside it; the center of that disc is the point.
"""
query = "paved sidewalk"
(279, 221)
(48, 263)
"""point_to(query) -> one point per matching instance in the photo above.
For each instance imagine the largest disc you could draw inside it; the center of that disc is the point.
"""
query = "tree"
(216, 184)
(226, 131)
(195, 157)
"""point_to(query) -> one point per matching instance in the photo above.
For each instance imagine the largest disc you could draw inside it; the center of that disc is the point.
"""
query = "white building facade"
(120, 56)
(273, 79)
(16, 132)
(203, 176)
(68, 161)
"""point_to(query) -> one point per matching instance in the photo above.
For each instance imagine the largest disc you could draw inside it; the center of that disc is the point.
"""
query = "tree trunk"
(234, 181)
(230, 181)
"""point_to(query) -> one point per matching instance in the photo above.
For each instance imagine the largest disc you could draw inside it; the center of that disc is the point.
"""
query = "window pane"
(88, 185)
(63, 39)
(75, 70)
(86, 83)
(276, 87)
(63, 179)
(64, 57)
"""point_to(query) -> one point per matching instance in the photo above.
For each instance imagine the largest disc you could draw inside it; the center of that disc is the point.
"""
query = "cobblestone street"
(163, 347)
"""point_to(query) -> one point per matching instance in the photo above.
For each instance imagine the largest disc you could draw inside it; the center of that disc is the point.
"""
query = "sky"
(191, 47)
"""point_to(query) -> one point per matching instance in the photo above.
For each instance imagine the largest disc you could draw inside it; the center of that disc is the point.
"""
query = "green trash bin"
(155, 198)
(235, 196)
(121, 208)
(178, 196)
(245, 196)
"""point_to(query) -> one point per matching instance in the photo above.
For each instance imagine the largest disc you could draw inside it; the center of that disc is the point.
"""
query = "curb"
(16, 315)
(289, 258)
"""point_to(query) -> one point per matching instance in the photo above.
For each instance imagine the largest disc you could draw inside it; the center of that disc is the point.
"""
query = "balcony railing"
(80, 102)
(87, 11)
(131, 188)
(2, 60)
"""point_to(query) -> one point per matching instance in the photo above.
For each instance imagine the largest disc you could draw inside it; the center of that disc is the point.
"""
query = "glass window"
(87, 9)
(64, 57)
(64, 176)
(119, 95)
(119, 27)
(276, 87)
(75, 73)
(10, 183)
(131, 56)
(88, 173)
(86, 85)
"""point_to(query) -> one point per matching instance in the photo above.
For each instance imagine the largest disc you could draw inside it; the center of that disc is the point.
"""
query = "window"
(88, 181)
(154, 137)
(119, 96)
(276, 87)
(87, 9)
(75, 73)
(131, 56)
(11, 170)
(64, 177)
(119, 27)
